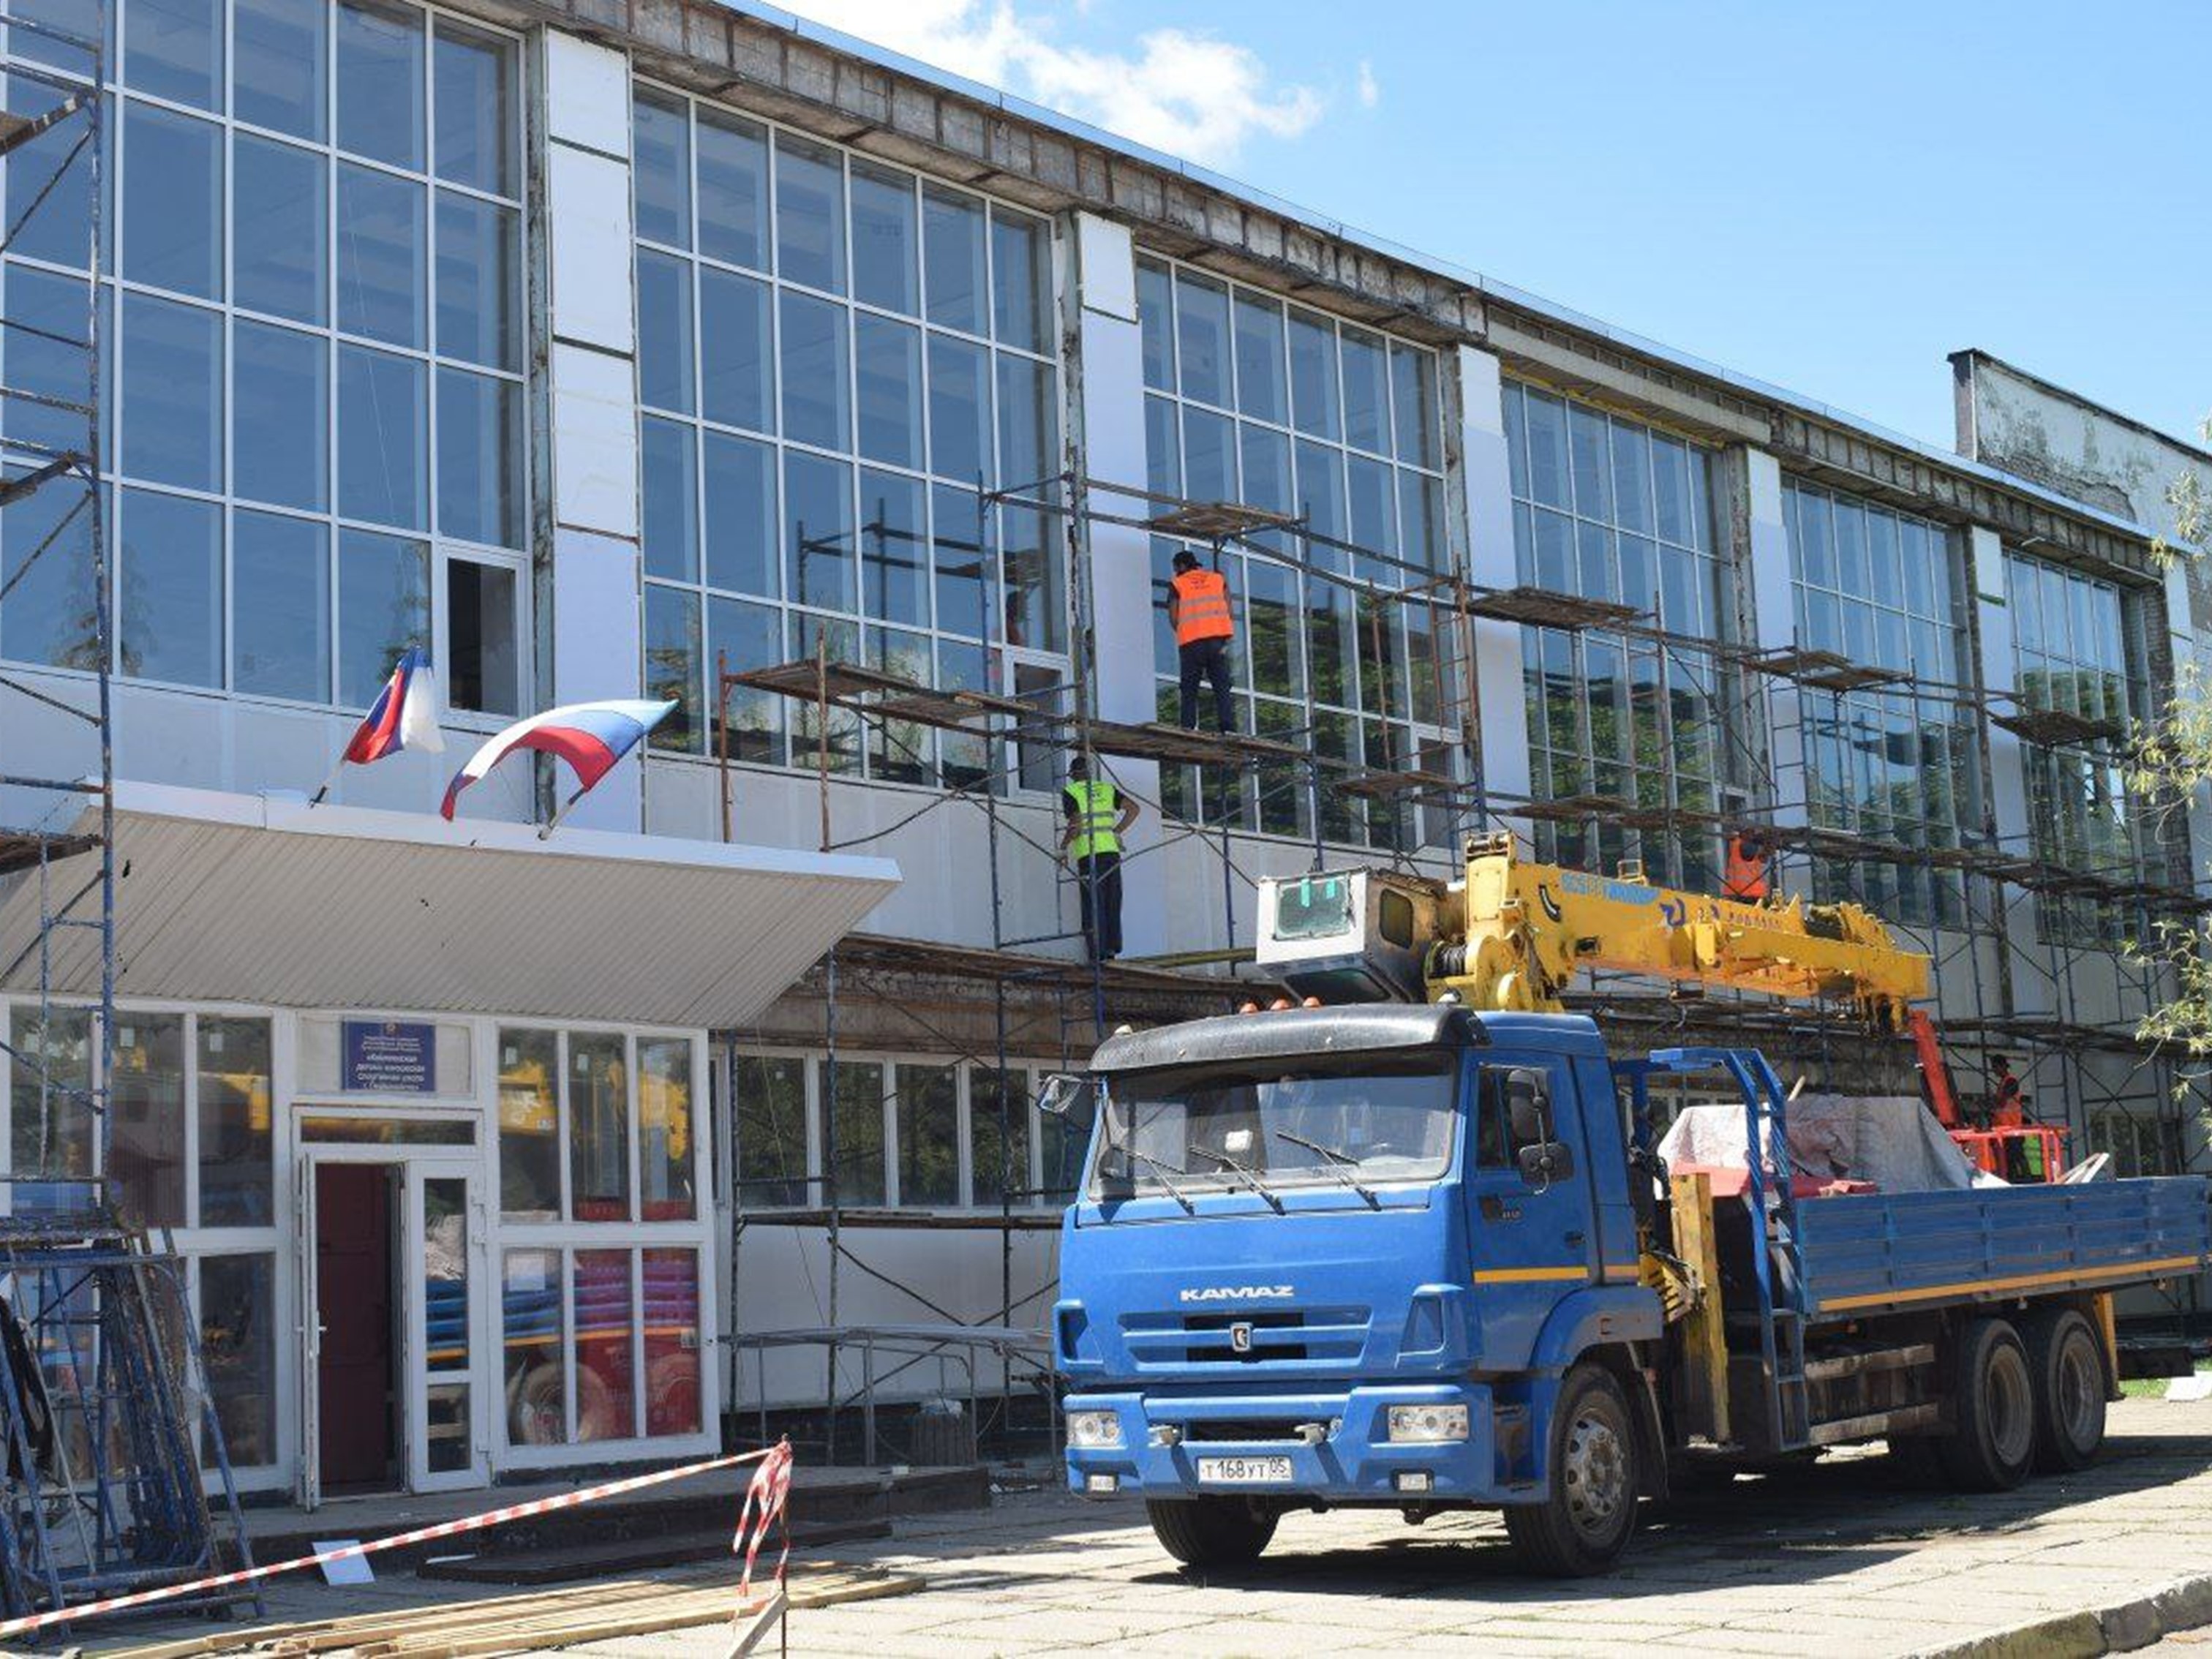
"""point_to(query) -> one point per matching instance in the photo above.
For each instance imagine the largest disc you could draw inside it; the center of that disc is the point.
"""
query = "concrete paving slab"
(1844, 1557)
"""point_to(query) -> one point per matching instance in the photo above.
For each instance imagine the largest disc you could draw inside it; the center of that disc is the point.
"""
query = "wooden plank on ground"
(523, 1623)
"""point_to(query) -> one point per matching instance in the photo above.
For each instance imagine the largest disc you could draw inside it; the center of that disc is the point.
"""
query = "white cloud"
(1189, 94)
(1371, 94)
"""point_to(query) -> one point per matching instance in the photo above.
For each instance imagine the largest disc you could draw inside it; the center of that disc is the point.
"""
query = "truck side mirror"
(1544, 1163)
(1526, 1112)
(1068, 1096)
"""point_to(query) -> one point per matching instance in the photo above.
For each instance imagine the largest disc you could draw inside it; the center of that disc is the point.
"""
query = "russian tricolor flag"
(592, 737)
(404, 716)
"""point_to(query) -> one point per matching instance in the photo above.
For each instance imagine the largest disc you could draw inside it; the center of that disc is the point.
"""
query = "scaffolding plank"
(1208, 521)
(2056, 727)
(1180, 746)
(807, 678)
(17, 131)
(21, 850)
(1377, 786)
(889, 954)
(952, 710)
(1566, 808)
(1545, 607)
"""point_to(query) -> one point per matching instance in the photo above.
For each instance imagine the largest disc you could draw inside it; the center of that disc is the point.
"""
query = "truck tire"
(1992, 1445)
(1584, 1523)
(2068, 1364)
(1211, 1532)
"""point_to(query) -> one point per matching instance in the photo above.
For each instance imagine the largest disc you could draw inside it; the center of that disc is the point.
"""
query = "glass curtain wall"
(834, 356)
(1250, 400)
(2078, 650)
(912, 1132)
(1609, 509)
(312, 293)
(1899, 763)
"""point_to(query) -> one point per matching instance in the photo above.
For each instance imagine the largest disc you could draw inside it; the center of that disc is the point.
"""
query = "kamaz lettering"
(1237, 1292)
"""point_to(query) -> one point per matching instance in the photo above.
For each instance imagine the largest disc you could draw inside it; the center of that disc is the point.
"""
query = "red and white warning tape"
(771, 1490)
(776, 1458)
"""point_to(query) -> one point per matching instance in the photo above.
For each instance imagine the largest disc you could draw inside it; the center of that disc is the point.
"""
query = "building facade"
(605, 348)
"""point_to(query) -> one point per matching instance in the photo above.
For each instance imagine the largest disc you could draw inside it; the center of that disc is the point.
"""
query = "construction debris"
(530, 1624)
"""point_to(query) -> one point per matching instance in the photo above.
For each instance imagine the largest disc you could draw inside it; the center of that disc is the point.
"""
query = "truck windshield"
(1386, 1119)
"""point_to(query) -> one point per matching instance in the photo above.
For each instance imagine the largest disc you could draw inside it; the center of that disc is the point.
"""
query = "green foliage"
(2171, 761)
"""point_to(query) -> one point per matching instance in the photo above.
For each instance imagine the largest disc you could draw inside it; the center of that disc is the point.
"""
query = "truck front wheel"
(1993, 1442)
(2068, 1364)
(1584, 1523)
(1211, 1532)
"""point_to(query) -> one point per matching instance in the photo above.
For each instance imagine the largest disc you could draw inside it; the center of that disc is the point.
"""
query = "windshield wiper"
(1249, 1176)
(1340, 1164)
(1163, 1171)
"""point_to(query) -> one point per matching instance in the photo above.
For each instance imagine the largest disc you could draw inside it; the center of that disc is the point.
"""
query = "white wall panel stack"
(595, 636)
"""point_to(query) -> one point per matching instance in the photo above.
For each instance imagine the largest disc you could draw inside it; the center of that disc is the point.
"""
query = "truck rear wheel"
(1993, 1442)
(2068, 1364)
(1584, 1523)
(1211, 1532)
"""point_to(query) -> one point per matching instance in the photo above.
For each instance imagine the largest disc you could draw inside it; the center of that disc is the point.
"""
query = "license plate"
(1243, 1471)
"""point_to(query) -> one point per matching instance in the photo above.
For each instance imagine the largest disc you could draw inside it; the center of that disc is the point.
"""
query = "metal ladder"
(1782, 1334)
(1781, 1305)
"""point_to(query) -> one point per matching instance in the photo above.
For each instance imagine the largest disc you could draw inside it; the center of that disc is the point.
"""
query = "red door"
(356, 1377)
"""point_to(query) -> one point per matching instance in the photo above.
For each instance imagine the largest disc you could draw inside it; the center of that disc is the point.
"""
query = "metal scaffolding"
(109, 1428)
(1981, 958)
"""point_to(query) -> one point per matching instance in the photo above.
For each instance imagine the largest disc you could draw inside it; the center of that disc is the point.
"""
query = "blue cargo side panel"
(1871, 1252)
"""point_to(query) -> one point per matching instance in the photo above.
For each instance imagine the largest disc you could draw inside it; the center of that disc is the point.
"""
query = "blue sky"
(1833, 199)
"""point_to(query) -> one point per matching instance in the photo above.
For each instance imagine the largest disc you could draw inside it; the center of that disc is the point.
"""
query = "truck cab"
(1348, 1255)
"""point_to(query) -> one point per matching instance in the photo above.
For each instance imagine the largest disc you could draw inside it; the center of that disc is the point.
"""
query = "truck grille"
(1277, 1336)
(1246, 1431)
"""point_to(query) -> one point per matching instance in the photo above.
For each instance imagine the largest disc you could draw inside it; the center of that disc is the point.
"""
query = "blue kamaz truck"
(1425, 1256)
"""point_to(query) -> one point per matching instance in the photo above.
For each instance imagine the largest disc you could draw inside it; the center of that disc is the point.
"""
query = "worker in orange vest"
(1745, 878)
(1198, 611)
(2007, 1105)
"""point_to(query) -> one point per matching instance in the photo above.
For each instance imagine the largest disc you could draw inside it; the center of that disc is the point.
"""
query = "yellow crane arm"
(1529, 928)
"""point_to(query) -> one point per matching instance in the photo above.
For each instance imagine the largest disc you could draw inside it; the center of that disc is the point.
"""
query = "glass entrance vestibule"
(425, 1249)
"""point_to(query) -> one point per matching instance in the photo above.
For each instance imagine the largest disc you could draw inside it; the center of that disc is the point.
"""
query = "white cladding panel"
(586, 93)
(587, 216)
(595, 441)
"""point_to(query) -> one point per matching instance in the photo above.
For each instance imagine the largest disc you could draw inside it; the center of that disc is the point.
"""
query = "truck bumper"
(1164, 1436)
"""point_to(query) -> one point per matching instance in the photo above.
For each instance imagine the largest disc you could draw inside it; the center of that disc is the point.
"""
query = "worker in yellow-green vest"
(1096, 818)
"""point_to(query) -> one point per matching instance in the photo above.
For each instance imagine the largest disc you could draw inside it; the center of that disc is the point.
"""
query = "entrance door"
(357, 1350)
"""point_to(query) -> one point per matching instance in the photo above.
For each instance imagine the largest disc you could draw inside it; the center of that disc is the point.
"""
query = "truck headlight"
(1099, 1430)
(1427, 1425)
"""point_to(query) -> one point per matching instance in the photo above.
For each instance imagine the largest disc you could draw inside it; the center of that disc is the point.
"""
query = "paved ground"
(1841, 1556)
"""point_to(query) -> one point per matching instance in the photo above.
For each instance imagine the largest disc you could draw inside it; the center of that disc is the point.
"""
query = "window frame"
(431, 356)
(1301, 712)
(789, 736)
(970, 1094)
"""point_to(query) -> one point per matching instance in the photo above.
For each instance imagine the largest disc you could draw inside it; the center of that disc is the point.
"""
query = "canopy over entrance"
(262, 899)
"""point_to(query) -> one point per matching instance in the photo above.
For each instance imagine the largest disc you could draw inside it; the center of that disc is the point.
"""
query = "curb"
(2122, 1627)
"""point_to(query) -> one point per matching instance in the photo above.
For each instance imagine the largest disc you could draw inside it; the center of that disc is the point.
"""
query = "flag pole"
(554, 823)
(316, 799)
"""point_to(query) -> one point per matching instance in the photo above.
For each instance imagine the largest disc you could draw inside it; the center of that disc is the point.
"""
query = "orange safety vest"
(2007, 1112)
(1746, 878)
(1201, 606)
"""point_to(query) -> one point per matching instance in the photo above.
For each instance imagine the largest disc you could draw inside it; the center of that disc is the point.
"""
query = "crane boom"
(1513, 934)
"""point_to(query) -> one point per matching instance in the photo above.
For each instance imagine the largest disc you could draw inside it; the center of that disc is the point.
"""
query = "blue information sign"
(389, 1057)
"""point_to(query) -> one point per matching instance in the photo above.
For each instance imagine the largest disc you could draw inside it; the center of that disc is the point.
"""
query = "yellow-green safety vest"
(1097, 809)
